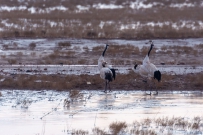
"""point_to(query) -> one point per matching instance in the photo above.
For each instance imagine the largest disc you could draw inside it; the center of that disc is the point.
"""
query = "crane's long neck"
(150, 49)
(104, 51)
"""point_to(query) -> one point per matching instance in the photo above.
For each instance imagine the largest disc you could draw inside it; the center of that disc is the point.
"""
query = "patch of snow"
(139, 4)
(7, 8)
(82, 8)
(102, 23)
(58, 8)
(182, 5)
(7, 24)
(33, 9)
(46, 10)
(105, 6)
(175, 25)
(52, 23)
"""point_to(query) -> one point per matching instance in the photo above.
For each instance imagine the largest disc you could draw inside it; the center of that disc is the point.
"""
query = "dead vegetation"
(32, 46)
(117, 127)
(64, 44)
(149, 126)
(65, 53)
(79, 82)
(98, 131)
(79, 132)
(76, 23)
(75, 95)
(128, 53)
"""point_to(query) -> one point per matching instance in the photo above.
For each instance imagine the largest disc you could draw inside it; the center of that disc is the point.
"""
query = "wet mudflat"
(44, 112)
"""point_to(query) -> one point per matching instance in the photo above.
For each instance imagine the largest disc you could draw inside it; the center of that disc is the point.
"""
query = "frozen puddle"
(43, 112)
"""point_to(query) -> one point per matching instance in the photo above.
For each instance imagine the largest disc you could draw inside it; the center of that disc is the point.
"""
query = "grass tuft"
(117, 127)
(98, 131)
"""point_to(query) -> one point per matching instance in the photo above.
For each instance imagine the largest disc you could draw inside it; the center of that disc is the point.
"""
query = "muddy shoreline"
(126, 82)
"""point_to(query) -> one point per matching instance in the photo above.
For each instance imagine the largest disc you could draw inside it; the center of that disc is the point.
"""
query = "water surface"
(44, 111)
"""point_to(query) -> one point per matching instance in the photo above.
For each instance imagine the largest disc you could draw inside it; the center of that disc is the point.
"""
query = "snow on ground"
(138, 4)
(175, 25)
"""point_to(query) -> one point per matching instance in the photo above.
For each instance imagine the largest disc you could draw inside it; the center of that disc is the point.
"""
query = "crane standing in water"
(106, 71)
(148, 70)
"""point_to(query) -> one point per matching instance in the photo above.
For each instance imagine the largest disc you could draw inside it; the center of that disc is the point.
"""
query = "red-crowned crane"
(148, 70)
(106, 71)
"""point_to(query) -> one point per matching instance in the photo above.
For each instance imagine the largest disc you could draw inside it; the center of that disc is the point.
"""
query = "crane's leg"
(105, 86)
(155, 88)
(109, 87)
(150, 88)
(147, 86)
(145, 81)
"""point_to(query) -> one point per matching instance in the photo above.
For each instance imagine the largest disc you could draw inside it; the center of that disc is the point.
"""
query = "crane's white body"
(147, 69)
(105, 71)
(103, 67)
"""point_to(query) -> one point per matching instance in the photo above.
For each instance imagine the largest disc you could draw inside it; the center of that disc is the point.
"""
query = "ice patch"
(7, 8)
(82, 8)
(182, 5)
(105, 6)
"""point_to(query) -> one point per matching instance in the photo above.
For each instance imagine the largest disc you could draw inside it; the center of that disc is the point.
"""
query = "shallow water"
(44, 111)
(47, 44)
(91, 69)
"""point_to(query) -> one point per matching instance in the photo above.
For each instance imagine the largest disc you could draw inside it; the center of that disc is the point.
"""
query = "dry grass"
(75, 95)
(200, 46)
(117, 127)
(64, 44)
(98, 131)
(146, 122)
(180, 123)
(195, 80)
(180, 51)
(128, 54)
(54, 82)
(57, 57)
(12, 61)
(142, 132)
(124, 51)
(164, 125)
(86, 24)
(79, 132)
(32, 46)
(122, 82)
